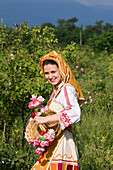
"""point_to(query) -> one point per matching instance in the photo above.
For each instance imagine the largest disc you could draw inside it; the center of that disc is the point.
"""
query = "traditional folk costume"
(65, 100)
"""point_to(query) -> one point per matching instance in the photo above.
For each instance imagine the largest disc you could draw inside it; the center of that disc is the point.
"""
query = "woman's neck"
(56, 86)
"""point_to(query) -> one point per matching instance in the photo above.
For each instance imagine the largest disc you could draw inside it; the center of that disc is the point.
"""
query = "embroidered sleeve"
(65, 119)
(71, 112)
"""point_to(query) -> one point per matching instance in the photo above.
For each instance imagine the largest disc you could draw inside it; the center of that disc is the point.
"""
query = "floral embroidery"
(65, 119)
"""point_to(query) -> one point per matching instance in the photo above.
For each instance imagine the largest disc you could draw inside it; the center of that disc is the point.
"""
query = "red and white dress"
(65, 154)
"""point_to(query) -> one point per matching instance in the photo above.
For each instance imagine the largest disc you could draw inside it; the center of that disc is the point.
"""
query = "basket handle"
(42, 128)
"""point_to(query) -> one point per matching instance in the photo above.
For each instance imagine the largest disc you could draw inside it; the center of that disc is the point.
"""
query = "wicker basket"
(33, 130)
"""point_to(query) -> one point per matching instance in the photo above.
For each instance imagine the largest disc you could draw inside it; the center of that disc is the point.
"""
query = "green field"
(20, 50)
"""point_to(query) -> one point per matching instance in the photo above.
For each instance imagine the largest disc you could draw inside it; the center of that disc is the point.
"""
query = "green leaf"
(36, 109)
(41, 139)
(43, 114)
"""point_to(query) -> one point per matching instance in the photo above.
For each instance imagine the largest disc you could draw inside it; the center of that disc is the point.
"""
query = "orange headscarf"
(65, 71)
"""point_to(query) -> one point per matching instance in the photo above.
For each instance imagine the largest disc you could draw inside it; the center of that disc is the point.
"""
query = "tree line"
(99, 36)
(95, 35)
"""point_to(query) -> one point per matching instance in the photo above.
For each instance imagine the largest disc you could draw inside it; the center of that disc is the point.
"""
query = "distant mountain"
(37, 13)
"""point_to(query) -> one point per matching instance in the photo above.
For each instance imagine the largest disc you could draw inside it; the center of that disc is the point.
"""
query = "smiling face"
(52, 74)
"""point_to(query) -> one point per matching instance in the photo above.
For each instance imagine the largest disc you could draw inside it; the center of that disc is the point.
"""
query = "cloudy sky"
(85, 2)
(15, 11)
(95, 2)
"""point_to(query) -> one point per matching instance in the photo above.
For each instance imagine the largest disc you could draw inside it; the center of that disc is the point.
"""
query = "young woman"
(65, 100)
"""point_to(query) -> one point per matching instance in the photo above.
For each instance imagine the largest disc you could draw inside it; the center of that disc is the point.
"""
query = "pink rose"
(82, 69)
(34, 103)
(38, 151)
(38, 113)
(46, 135)
(33, 97)
(36, 142)
(44, 143)
(89, 97)
(40, 99)
(42, 109)
(51, 131)
(51, 137)
(88, 92)
(30, 119)
(90, 100)
(46, 108)
(85, 102)
(30, 143)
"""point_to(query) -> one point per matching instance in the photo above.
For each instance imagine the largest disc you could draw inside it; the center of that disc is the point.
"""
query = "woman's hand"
(40, 120)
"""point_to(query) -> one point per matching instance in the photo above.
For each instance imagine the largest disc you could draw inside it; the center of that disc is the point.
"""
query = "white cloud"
(95, 2)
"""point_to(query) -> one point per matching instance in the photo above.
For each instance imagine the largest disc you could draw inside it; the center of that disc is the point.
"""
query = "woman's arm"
(71, 112)
(41, 120)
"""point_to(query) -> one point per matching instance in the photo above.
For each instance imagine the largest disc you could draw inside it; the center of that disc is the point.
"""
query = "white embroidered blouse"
(68, 99)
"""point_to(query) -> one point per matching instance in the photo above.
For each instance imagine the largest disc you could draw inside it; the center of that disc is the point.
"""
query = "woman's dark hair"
(48, 61)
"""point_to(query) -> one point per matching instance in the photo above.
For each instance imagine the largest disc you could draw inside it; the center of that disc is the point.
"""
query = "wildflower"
(90, 100)
(82, 69)
(89, 97)
(31, 54)
(77, 66)
(12, 58)
(85, 102)
(40, 36)
(8, 61)
(88, 92)
(91, 65)
(11, 54)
